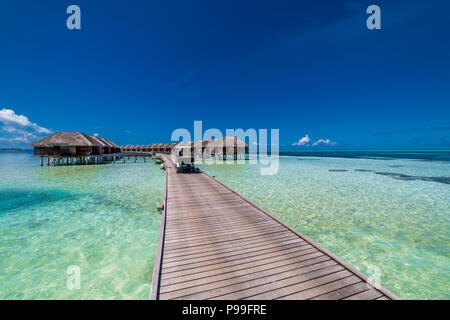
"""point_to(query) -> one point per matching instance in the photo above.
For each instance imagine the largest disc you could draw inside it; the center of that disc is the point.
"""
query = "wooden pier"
(215, 244)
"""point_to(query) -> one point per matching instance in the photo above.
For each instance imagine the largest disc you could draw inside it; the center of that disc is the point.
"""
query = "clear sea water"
(103, 219)
(398, 223)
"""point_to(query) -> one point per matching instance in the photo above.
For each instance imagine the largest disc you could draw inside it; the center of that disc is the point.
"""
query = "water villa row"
(79, 148)
(222, 146)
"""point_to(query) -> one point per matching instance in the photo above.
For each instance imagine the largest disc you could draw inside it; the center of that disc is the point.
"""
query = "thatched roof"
(228, 142)
(100, 141)
(225, 142)
(112, 143)
(77, 139)
(108, 143)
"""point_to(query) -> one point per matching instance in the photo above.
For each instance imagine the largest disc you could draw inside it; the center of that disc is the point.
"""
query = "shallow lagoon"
(401, 226)
(102, 218)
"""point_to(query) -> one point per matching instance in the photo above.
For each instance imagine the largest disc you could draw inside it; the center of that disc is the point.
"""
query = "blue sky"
(137, 70)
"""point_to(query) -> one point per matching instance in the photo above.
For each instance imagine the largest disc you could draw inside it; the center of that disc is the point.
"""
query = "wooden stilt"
(42, 161)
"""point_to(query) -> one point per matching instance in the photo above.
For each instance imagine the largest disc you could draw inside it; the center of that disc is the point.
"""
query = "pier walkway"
(215, 244)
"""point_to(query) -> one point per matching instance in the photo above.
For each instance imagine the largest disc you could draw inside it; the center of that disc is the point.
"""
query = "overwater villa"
(74, 147)
(77, 147)
(213, 147)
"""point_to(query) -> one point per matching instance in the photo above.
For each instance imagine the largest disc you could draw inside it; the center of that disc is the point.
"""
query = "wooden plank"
(220, 288)
(207, 230)
(292, 252)
(234, 243)
(220, 271)
(220, 254)
(209, 240)
(226, 247)
(343, 293)
(183, 265)
(366, 295)
(340, 282)
(286, 286)
(204, 234)
(272, 268)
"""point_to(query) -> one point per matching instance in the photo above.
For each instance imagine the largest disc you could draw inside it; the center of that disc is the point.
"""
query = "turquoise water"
(101, 218)
(397, 221)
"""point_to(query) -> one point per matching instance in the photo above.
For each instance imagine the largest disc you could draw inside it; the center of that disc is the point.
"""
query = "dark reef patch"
(337, 170)
(20, 199)
(400, 176)
(364, 170)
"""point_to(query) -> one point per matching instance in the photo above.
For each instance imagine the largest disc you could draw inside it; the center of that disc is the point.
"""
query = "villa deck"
(215, 244)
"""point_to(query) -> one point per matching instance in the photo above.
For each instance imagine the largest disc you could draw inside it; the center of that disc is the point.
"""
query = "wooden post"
(42, 161)
(135, 158)
(48, 161)
(145, 159)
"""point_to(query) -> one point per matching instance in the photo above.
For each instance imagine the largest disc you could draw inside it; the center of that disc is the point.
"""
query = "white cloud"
(9, 118)
(18, 129)
(327, 142)
(96, 134)
(303, 141)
